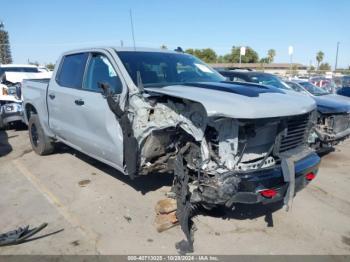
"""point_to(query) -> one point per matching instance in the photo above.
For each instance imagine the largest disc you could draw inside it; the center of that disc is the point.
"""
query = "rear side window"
(72, 70)
(237, 79)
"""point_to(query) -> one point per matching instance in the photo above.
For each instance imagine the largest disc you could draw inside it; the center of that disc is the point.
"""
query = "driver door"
(100, 131)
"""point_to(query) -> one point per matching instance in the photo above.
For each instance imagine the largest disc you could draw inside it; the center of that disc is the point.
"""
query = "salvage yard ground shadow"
(246, 211)
(152, 182)
(144, 184)
(5, 147)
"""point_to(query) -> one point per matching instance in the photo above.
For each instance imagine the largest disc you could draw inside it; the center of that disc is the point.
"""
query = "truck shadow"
(246, 211)
(5, 147)
(143, 184)
(326, 151)
(152, 182)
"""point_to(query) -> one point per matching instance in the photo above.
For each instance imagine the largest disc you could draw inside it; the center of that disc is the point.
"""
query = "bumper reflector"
(268, 193)
(310, 176)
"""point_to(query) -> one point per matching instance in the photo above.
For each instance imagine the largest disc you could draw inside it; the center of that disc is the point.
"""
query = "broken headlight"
(14, 107)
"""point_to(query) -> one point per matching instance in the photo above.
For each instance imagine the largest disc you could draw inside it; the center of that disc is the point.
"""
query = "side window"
(100, 70)
(238, 79)
(72, 70)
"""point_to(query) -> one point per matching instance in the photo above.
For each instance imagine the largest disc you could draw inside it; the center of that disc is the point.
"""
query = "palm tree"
(271, 54)
(319, 58)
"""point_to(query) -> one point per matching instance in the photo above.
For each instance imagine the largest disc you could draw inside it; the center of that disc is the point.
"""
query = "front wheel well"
(30, 109)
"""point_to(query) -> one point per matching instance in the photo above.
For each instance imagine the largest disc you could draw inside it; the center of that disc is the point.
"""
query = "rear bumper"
(251, 184)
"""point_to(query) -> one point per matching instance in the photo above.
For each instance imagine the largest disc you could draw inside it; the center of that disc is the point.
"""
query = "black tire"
(2, 126)
(41, 144)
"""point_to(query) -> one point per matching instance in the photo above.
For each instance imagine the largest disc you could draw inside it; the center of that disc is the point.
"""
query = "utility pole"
(336, 57)
(290, 52)
(132, 30)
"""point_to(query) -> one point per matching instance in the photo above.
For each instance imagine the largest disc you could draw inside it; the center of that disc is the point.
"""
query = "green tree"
(265, 60)
(36, 63)
(50, 66)
(294, 70)
(208, 55)
(220, 59)
(319, 58)
(271, 53)
(325, 67)
(251, 56)
(5, 49)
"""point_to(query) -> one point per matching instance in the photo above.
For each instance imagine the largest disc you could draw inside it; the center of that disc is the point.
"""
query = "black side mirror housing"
(106, 88)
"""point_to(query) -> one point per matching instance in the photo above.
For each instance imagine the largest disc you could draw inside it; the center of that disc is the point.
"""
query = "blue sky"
(40, 30)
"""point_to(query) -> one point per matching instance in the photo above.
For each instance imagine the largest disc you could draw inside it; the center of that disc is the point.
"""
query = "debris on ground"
(75, 243)
(128, 219)
(84, 183)
(166, 214)
(166, 221)
(165, 206)
(19, 235)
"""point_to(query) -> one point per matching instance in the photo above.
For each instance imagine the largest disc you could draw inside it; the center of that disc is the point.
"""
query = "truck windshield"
(158, 69)
(271, 80)
(315, 90)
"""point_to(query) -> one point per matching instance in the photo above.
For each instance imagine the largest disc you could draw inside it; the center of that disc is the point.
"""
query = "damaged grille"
(297, 128)
(341, 123)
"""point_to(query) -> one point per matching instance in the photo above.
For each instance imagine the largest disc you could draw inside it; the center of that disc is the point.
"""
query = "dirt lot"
(92, 209)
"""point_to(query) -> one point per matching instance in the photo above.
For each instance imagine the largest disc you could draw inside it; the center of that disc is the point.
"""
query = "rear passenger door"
(64, 95)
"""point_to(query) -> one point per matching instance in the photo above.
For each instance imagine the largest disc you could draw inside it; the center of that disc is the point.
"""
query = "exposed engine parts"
(330, 130)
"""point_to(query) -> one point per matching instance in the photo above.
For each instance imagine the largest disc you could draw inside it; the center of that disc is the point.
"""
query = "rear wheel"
(41, 144)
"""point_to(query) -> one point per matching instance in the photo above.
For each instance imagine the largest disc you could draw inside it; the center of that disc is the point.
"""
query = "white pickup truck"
(145, 111)
(11, 77)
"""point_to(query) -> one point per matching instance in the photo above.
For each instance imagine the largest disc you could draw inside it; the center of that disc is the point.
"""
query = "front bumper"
(252, 184)
(246, 188)
(11, 113)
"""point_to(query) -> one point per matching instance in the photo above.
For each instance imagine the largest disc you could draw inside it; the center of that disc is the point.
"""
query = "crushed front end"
(241, 159)
(330, 130)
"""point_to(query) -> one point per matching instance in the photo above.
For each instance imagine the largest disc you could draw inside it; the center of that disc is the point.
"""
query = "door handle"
(52, 96)
(79, 102)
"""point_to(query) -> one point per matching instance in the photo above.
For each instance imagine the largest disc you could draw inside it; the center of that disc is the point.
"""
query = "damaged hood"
(328, 104)
(241, 101)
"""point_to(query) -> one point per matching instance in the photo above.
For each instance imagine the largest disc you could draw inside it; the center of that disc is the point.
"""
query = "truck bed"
(35, 92)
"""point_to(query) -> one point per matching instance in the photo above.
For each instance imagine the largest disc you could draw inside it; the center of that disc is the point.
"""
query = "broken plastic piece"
(184, 207)
(19, 235)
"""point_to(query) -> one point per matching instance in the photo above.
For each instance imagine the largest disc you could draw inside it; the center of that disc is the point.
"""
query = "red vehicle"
(325, 83)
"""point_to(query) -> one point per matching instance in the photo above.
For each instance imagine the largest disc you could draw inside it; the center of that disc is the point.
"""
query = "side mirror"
(106, 88)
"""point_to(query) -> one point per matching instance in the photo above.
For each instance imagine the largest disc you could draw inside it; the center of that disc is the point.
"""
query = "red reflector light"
(268, 193)
(310, 176)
